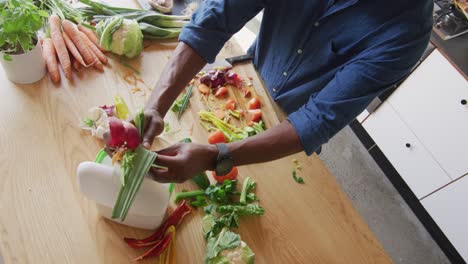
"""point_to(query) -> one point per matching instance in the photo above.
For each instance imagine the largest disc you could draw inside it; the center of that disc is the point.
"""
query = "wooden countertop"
(45, 219)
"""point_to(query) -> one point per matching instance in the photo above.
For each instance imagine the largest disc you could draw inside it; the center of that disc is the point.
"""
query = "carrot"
(85, 51)
(76, 65)
(73, 50)
(90, 34)
(94, 49)
(97, 63)
(59, 44)
(51, 61)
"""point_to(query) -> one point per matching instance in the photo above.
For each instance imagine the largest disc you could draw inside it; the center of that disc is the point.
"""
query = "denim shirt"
(323, 61)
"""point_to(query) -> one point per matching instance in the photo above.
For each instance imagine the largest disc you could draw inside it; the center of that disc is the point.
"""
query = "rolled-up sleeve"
(350, 91)
(215, 21)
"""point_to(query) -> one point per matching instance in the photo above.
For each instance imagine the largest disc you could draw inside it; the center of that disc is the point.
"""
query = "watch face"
(224, 166)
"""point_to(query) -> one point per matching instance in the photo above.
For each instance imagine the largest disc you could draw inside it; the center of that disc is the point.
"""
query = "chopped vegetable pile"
(223, 205)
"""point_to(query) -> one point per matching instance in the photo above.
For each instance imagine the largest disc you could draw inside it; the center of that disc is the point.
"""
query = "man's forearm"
(277, 142)
(184, 64)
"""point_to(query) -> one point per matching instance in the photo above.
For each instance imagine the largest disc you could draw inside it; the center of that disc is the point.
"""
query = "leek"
(142, 162)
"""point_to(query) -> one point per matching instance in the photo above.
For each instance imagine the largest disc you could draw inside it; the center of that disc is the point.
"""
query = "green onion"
(154, 32)
(185, 102)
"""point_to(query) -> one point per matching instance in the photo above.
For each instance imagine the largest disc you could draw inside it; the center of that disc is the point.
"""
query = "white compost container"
(100, 181)
(25, 68)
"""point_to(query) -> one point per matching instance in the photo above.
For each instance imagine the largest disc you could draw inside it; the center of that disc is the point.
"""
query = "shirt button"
(317, 24)
(285, 74)
(299, 51)
(274, 90)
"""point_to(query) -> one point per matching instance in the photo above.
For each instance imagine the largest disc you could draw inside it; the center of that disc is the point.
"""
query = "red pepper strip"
(174, 219)
(158, 249)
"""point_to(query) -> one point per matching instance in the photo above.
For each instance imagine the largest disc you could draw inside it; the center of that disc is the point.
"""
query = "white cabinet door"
(449, 209)
(406, 153)
(432, 102)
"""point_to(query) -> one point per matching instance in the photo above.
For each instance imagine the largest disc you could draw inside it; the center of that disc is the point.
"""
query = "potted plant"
(20, 50)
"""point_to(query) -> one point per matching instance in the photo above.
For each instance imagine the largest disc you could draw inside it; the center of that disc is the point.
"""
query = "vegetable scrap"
(221, 77)
(162, 241)
(167, 127)
(222, 209)
(298, 179)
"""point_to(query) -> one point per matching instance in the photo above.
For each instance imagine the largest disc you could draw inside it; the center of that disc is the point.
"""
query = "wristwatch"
(224, 161)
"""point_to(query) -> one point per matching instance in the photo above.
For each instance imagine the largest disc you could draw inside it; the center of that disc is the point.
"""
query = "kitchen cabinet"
(433, 103)
(421, 129)
(404, 150)
(448, 208)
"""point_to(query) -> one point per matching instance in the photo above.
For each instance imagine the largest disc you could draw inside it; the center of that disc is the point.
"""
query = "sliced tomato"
(219, 114)
(221, 91)
(217, 137)
(245, 92)
(232, 175)
(202, 88)
(255, 115)
(230, 105)
(254, 103)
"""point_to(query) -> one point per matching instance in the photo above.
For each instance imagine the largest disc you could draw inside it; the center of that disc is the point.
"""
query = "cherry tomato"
(202, 88)
(221, 91)
(254, 103)
(230, 105)
(232, 175)
(217, 137)
(219, 114)
(255, 115)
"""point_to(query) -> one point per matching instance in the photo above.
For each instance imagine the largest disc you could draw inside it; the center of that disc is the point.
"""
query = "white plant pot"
(25, 68)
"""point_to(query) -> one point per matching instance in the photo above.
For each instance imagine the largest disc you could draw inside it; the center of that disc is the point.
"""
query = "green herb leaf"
(139, 120)
(127, 165)
(199, 201)
(19, 23)
(223, 193)
(249, 209)
(167, 127)
(229, 220)
(185, 102)
(7, 57)
(297, 179)
(88, 122)
(247, 187)
(209, 208)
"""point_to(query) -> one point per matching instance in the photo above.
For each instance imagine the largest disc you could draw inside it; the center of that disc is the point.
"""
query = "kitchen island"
(46, 219)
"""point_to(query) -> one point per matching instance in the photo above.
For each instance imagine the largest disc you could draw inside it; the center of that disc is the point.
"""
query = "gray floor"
(377, 201)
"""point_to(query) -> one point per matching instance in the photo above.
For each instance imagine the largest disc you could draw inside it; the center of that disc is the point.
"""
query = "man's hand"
(183, 160)
(154, 125)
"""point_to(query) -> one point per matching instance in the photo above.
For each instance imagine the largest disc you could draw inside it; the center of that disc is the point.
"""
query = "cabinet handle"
(463, 101)
(408, 145)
